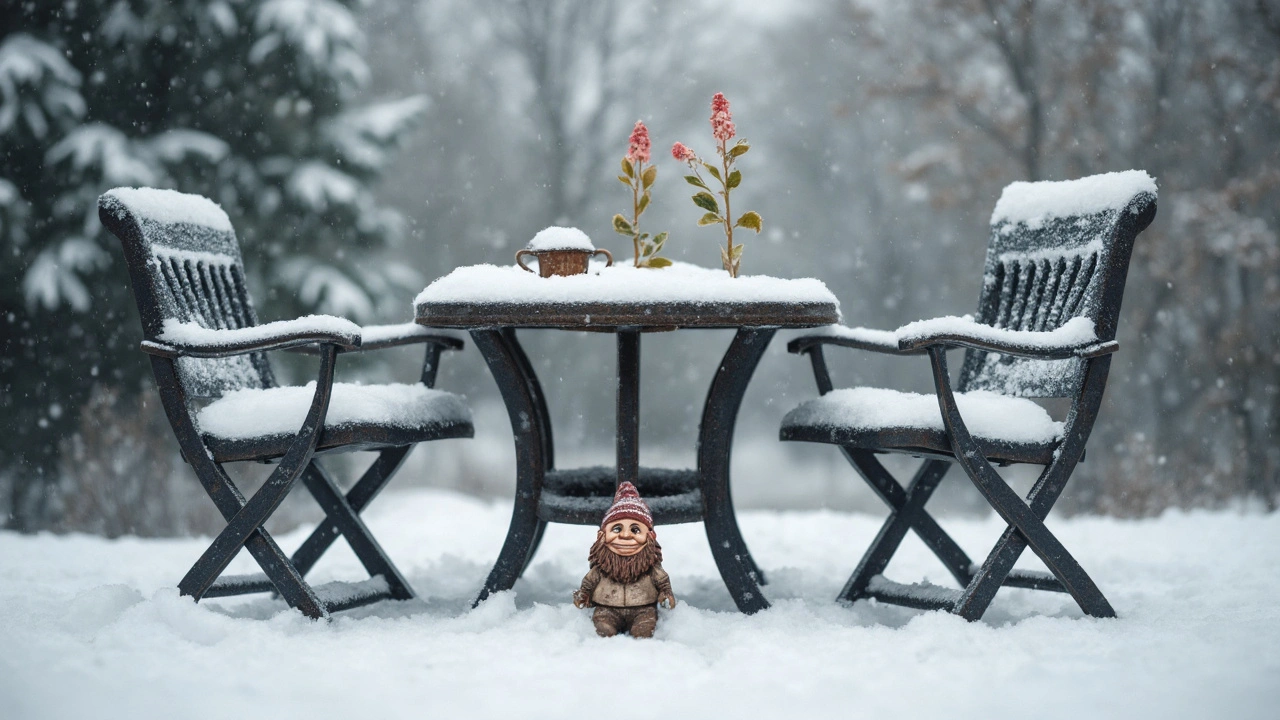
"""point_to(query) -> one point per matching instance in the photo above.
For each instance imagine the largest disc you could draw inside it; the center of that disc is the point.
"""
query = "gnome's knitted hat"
(628, 504)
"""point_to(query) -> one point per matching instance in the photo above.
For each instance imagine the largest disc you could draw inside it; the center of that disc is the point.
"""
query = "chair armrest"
(860, 338)
(376, 337)
(1076, 338)
(179, 339)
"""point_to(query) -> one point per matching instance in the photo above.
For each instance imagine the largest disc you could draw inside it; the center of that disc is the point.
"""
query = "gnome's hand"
(667, 600)
(580, 599)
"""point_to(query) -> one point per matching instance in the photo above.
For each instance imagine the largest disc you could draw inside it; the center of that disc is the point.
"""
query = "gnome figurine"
(626, 582)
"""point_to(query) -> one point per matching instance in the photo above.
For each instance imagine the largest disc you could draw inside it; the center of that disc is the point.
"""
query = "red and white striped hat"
(628, 504)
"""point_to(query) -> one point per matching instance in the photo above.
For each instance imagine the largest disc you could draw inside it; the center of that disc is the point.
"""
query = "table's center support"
(628, 404)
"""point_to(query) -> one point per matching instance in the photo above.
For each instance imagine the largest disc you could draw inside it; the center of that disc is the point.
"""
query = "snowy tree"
(248, 102)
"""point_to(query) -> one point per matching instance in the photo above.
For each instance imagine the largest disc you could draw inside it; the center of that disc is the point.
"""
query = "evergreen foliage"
(249, 102)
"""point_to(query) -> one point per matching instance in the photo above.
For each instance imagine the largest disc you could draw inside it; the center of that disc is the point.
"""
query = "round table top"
(679, 296)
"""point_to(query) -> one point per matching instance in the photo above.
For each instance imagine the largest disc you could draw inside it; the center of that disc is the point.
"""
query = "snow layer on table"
(188, 333)
(1033, 203)
(988, 415)
(560, 238)
(94, 628)
(1076, 332)
(681, 282)
(170, 206)
(251, 413)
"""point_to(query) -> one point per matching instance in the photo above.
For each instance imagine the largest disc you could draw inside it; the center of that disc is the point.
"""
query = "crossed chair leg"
(1025, 521)
(980, 583)
(281, 573)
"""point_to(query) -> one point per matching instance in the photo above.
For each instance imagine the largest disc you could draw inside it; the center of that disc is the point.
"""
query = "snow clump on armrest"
(193, 335)
(1076, 332)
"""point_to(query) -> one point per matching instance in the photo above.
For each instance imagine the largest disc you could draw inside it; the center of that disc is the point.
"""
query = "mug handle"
(520, 261)
(607, 256)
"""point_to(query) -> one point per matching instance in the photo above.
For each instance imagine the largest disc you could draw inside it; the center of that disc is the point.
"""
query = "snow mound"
(170, 207)
(988, 415)
(1034, 202)
(254, 412)
(1196, 637)
(560, 238)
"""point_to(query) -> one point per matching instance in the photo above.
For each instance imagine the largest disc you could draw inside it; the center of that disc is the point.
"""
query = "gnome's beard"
(625, 569)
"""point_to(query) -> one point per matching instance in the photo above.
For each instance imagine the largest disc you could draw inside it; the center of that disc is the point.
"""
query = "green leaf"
(696, 181)
(715, 173)
(739, 150)
(648, 249)
(709, 219)
(659, 240)
(627, 169)
(706, 201)
(621, 226)
(624, 180)
(649, 176)
(644, 203)
(737, 252)
(658, 262)
(735, 179)
(751, 221)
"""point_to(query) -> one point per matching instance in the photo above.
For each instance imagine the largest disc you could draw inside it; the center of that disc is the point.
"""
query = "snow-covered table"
(492, 302)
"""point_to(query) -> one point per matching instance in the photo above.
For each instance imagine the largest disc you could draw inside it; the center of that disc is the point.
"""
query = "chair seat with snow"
(208, 354)
(1045, 327)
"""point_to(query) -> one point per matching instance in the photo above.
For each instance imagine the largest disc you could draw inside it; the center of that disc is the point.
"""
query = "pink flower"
(681, 152)
(721, 121)
(639, 150)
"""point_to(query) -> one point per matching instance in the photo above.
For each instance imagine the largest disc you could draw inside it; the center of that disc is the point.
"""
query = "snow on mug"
(561, 251)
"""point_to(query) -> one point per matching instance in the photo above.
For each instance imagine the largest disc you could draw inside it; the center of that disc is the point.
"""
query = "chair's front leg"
(264, 502)
(1044, 493)
(1008, 504)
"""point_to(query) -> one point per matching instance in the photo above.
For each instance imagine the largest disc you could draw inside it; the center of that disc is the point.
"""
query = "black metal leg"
(628, 405)
(715, 440)
(952, 556)
(340, 514)
(1048, 487)
(358, 497)
(1011, 507)
(907, 513)
(508, 367)
(250, 517)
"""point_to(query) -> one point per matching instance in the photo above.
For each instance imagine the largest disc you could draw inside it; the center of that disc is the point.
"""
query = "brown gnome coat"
(644, 590)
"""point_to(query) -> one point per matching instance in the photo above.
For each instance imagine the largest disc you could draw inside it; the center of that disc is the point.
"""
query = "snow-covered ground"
(91, 628)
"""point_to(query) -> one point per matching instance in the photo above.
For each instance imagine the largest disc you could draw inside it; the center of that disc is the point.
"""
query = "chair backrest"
(1058, 250)
(185, 265)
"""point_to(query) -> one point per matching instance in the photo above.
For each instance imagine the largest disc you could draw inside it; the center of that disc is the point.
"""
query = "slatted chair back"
(1058, 250)
(185, 265)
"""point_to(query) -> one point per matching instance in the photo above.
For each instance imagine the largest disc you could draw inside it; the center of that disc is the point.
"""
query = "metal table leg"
(715, 439)
(531, 430)
(628, 404)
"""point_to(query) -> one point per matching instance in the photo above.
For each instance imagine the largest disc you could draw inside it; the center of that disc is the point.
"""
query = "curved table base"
(531, 428)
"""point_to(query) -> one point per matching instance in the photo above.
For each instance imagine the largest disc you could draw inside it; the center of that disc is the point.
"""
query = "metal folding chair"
(1045, 327)
(208, 353)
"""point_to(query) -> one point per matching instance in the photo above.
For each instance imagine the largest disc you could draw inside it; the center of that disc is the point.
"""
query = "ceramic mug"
(562, 262)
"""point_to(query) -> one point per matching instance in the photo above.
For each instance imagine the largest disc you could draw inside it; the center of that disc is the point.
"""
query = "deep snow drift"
(94, 628)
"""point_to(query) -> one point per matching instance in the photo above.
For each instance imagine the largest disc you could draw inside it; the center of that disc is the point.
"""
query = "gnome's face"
(625, 537)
